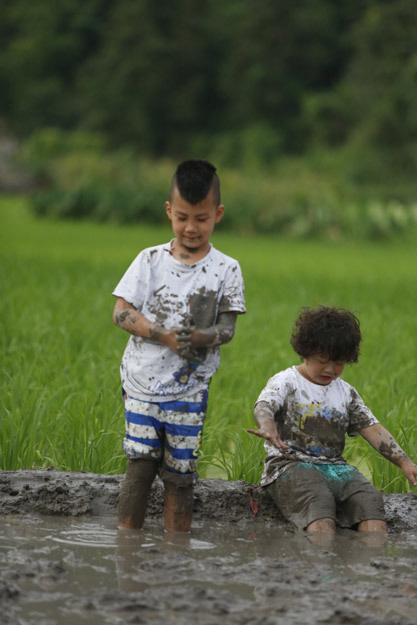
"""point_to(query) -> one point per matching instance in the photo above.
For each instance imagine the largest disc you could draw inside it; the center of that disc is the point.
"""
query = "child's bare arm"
(125, 316)
(264, 417)
(385, 443)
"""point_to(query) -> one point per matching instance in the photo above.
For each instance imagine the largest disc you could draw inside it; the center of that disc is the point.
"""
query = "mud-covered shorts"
(168, 432)
(306, 492)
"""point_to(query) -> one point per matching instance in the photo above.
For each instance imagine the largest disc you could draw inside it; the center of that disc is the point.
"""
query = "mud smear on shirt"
(163, 306)
(203, 308)
(232, 569)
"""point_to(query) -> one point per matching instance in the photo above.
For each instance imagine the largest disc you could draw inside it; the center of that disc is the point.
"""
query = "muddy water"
(60, 570)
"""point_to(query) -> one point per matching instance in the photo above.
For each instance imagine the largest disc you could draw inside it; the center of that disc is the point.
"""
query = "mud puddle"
(60, 570)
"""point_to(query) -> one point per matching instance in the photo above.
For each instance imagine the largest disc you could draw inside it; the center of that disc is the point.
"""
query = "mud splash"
(62, 560)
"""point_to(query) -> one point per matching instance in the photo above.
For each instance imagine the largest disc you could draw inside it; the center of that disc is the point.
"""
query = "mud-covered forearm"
(213, 337)
(263, 412)
(267, 429)
(391, 450)
(385, 443)
(216, 335)
(180, 340)
(126, 317)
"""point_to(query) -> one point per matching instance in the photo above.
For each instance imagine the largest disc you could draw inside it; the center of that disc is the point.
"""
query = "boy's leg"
(133, 498)
(143, 446)
(184, 421)
(178, 510)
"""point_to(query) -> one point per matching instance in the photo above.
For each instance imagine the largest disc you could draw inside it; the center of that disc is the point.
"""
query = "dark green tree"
(383, 83)
(185, 77)
(44, 44)
(279, 53)
(153, 80)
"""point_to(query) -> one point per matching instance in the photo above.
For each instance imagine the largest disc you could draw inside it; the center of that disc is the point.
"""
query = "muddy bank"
(48, 492)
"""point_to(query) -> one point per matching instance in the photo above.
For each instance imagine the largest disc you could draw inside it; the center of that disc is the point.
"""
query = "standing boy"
(179, 301)
(303, 414)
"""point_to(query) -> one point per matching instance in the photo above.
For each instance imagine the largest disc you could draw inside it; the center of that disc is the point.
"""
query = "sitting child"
(303, 414)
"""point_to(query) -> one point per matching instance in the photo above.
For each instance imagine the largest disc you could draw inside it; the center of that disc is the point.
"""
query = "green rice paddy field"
(60, 398)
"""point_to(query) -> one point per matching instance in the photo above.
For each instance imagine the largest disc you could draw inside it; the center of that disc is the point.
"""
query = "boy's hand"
(180, 341)
(214, 336)
(185, 340)
(268, 431)
(177, 339)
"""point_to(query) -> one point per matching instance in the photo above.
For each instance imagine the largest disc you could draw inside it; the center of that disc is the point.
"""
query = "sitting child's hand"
(410, 471)
(269, 432)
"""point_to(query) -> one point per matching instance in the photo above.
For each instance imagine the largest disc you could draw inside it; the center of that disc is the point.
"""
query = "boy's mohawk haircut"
(194, 179)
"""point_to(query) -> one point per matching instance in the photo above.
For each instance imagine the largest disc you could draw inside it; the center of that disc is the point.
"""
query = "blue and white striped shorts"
(169, 431)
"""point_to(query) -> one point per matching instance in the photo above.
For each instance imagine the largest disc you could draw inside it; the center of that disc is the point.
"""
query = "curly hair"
(333, 332)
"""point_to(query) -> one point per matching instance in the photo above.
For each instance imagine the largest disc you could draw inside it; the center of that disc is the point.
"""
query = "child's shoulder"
(154, 252)
(220, 258)
(154, 249)
(285, 376)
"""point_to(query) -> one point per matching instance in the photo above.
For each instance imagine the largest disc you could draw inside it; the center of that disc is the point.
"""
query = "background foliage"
(78, 178)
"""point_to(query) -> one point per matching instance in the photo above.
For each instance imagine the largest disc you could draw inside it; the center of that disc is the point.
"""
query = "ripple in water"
(87, 535)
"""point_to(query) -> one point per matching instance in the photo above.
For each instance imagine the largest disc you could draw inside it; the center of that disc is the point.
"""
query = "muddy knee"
(323, 526)
(141, 470)
(373, 525)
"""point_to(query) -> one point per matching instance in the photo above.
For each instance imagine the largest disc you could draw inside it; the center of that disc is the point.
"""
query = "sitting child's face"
(320, 370)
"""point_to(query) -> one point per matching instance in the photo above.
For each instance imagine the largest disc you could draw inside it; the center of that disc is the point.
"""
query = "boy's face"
(320, 370)
(193, 224)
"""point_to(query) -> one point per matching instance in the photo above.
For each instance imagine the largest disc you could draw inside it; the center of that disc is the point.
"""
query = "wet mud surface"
(63, 560)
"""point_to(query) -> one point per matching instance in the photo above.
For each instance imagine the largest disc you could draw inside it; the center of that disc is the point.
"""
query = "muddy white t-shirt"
(172, 294)
(311, 419)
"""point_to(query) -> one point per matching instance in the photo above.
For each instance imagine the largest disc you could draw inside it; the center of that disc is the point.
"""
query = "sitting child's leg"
(324, 526)
(304, 498)
(373, 525)
(134, 494)
(361, 505)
